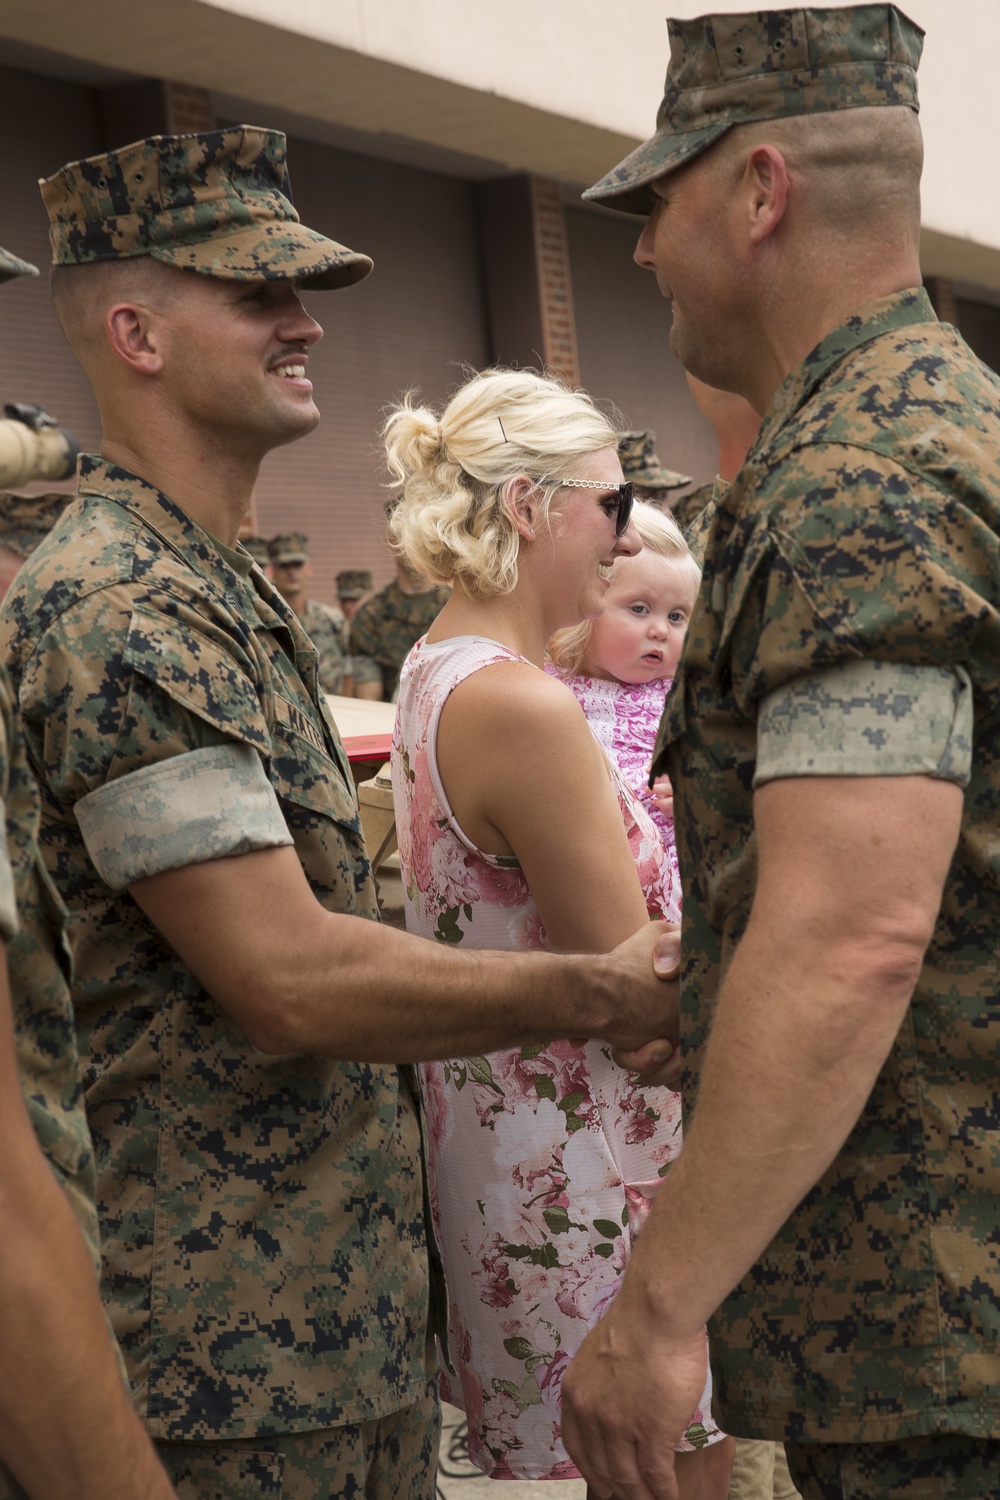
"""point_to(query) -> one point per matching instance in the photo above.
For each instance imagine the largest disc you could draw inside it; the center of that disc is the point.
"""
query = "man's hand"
(658, 1061)
(628, 1397)
(645, 1017)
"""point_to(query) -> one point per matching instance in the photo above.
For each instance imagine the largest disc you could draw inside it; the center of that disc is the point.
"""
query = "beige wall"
(398, 111)
(562, 88)
(602, 65)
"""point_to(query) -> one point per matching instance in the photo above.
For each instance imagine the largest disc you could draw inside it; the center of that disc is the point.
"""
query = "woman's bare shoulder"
(514, 698)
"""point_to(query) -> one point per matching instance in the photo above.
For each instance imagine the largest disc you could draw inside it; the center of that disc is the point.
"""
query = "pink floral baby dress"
(542, 1160)
(625, 717)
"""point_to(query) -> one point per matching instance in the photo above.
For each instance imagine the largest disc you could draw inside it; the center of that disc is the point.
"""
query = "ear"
(133, 336)
(520, 496)
(767, 179)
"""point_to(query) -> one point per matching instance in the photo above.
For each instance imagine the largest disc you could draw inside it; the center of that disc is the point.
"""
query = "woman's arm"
(525, 775)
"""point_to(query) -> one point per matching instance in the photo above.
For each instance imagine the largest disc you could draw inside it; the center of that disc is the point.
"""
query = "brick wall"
(554, 282)
(418, 321)
(188, 108)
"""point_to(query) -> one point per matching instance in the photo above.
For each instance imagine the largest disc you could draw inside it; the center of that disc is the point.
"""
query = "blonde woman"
(514, 831)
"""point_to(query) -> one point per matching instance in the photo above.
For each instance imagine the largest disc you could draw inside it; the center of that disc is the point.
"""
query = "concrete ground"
(460, 1480)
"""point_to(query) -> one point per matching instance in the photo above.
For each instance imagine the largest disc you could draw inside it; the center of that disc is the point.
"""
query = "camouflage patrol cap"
(353, 582)
(216, 202)
(763, 65)
(641, 464)
(25, 520)
(257, 548)
(288, 547)
(10, 266)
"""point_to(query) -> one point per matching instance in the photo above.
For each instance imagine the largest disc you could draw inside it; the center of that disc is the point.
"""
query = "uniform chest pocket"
(194, 672)
(305, 775)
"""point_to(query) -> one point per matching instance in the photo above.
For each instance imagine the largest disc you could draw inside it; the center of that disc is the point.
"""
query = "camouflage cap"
(26, 519)
(762, 65)
(641, 464)
(288, 547)
(353, 582)
(10, 266)
(257, 548)
(217, 202)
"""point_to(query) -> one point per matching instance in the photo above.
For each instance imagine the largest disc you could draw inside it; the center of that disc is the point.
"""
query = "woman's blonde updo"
(450, 521)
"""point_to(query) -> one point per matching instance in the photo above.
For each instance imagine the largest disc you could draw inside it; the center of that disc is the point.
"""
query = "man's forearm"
(419, 1000)
(849, 881)
(67, 1426)
(799, 1037)
(299, 979)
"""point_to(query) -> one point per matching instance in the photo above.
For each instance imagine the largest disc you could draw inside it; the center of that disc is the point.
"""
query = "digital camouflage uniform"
(641, 463)
(329, 632)
(265, 1261)
(858, 553)
(689, 507)
(326, 627)
(25, 519)
(33, 925)
(265, 1256)
(384, 629)
(847, 624)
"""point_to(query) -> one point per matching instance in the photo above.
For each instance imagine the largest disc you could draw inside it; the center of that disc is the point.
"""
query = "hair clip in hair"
(505, 438)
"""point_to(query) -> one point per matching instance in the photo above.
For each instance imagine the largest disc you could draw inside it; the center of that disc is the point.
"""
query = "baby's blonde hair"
(451, 521)
(661, 534)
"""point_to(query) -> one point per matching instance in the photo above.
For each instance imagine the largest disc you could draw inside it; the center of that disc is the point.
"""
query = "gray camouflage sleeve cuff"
(868, 718)
(202, 805)
(8, 901)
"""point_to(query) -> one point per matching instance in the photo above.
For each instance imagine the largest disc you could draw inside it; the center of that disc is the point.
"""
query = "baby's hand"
(663, 796)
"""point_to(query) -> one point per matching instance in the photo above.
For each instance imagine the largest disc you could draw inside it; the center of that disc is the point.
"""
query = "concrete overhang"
(320, 82)
(190, 42)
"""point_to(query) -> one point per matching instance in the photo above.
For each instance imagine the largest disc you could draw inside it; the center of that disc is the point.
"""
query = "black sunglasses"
(625, 493)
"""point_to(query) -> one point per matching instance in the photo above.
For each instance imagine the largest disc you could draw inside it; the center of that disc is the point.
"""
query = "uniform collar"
(887, 315)
(225, 570)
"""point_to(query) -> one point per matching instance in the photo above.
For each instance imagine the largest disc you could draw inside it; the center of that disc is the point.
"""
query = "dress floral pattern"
(542, 1161)
(625, 717)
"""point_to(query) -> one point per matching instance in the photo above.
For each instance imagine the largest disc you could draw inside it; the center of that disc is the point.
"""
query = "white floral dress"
(542, 1160)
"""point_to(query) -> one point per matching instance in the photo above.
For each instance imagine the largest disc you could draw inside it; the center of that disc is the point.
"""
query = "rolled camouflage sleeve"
(154, 743)
(868, 718)
(204, 805)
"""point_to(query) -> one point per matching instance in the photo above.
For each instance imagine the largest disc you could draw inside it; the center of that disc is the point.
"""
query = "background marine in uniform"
(386, 626)
(67, 1426)
(325, 626)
